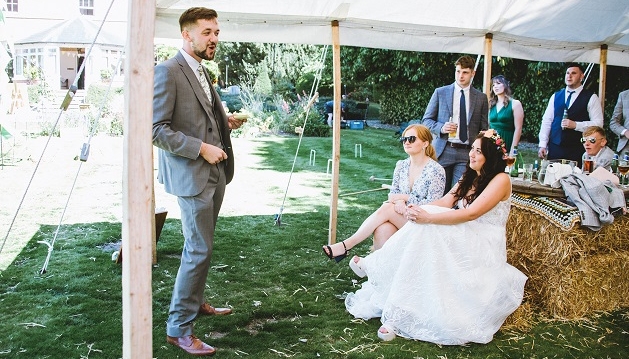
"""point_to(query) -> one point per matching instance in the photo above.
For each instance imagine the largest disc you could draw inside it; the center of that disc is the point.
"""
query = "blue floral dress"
(428, 186)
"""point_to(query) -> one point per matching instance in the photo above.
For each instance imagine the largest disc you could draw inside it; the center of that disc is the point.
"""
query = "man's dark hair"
(190, 16)
(466, 62)
(574, 64)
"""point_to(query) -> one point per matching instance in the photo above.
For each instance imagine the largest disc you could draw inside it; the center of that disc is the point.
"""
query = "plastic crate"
(356, 125)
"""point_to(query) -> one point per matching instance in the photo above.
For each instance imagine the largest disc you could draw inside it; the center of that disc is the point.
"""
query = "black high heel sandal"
(338, 258)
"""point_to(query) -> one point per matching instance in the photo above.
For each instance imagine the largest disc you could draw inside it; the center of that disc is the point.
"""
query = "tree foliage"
(401, 81)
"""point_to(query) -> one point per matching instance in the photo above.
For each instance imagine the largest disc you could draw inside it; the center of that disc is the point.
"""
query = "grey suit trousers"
(198, 219)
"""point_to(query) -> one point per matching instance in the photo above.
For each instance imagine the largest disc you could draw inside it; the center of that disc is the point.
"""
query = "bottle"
(518, 162)
(565, 116)
(625, 177)
(614, 164)
(535, 169)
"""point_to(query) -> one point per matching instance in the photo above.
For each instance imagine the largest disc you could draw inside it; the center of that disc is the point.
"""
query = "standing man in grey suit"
(196, 162)
(619, 124)
(456, 113)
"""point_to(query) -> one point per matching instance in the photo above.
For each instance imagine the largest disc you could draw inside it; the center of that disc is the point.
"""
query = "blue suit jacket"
(439, 111)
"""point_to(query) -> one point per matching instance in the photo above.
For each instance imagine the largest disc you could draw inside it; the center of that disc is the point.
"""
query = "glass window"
(12, 5)
(86, 7)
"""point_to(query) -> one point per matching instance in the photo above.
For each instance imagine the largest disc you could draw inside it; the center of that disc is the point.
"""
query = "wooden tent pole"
(603, 76)
(487, 68)
(336, 131)
(137, 184)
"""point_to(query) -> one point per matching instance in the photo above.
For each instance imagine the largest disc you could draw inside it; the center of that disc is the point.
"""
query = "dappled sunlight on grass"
(286, 294)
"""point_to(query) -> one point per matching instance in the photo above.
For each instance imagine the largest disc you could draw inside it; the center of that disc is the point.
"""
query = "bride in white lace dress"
(444, 276)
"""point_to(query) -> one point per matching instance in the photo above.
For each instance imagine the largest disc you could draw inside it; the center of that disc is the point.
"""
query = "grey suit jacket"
(594, 199)
(620, 118)
(439, 111)
(182, 120)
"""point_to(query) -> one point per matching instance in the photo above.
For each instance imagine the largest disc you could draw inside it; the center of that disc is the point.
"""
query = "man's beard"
(203, 54)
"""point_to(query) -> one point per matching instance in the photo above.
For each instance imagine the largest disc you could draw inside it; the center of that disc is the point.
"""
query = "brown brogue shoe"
(192, 345)
(207, 309)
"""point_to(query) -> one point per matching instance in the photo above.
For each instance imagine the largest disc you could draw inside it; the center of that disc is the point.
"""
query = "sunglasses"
(410, 139)
(590, 139)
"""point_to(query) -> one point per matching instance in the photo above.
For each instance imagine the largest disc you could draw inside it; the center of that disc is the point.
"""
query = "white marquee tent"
(548, 30)
(543, 30)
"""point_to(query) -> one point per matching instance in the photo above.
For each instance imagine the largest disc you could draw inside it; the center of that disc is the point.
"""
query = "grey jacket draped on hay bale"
(594, 198)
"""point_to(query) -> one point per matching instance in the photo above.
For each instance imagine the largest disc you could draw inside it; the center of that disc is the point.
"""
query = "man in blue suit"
(196, 162)
(455, 115)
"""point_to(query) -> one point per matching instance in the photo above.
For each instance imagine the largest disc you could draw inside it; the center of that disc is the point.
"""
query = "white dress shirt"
(192, 62)
(594, 110)
(456, 102)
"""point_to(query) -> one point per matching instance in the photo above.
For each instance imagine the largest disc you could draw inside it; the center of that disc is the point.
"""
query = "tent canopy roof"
(77, 31)
(549, 30)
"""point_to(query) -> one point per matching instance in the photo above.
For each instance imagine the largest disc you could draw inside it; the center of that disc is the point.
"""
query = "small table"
(535, 188)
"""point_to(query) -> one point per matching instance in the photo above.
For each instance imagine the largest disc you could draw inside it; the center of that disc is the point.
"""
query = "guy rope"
(313, 97)
(83, 156)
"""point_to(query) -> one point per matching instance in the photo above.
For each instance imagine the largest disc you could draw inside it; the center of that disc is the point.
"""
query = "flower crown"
(498, 141)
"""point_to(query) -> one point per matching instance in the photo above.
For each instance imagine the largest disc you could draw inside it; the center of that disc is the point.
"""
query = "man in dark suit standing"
(196, 162)
(456, 113)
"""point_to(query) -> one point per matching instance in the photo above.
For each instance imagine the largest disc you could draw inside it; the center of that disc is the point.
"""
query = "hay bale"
(534, 239)
(594, 283)
(571, 273)
(521, 319)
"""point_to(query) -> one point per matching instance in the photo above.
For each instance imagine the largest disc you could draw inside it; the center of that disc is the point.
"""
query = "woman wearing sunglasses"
(444, 277)
(595, 144)
(417, 180)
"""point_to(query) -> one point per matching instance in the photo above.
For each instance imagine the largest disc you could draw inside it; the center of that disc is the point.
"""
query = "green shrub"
(47, 128)
(255, 126)
(304, 82)
(314, 126)
(403, 104)
(116, 126)
(106, 114)
(286, 89)
(95, 96)
(39, 92)
(105, 74)
(234, 103)
(263, 85)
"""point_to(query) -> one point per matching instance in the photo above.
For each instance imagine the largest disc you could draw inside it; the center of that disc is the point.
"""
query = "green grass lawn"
(287, 296)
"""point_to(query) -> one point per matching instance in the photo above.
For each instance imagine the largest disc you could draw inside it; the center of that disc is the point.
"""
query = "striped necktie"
(204, 83)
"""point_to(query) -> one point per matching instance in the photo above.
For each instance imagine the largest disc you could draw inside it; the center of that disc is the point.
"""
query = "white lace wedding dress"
(446, 284)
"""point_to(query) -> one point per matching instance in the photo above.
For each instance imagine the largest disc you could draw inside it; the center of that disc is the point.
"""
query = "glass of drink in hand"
(452, 134)
(510, 160)
(623, 169)
(588, 165)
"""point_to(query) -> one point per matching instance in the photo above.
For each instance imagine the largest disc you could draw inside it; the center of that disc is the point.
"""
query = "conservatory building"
(73, 50)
